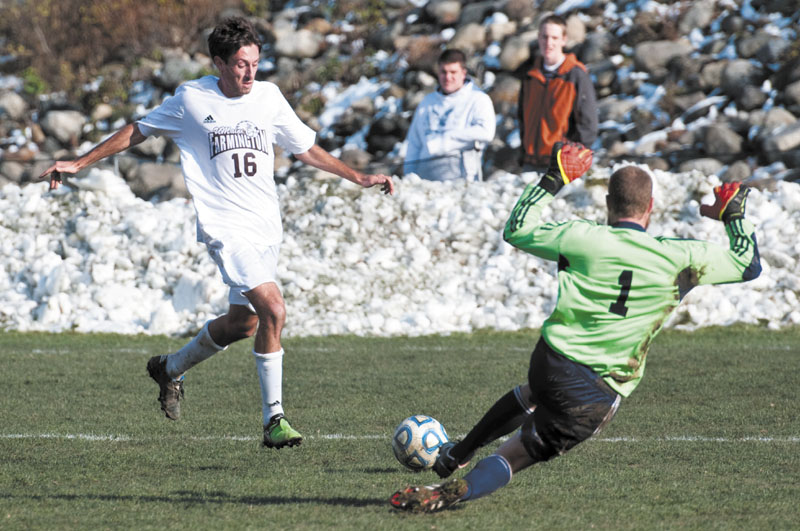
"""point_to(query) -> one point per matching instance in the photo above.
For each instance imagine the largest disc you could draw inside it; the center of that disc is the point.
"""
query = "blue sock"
(488, 475)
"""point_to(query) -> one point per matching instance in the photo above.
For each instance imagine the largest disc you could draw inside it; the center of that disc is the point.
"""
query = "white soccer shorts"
(244, 266)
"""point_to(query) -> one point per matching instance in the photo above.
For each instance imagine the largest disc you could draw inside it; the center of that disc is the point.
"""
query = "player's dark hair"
(554, 19)
(452, 55)
(230, 35)
(629, 191)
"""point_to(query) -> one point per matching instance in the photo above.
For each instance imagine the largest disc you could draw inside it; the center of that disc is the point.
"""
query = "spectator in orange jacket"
(557, 100)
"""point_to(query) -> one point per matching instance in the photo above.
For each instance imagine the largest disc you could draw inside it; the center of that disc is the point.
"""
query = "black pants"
(572, 404)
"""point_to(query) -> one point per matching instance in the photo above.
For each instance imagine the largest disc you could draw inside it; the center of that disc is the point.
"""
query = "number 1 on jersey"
(625, 279)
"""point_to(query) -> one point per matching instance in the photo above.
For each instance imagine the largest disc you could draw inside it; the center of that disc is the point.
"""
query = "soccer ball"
(417, 440)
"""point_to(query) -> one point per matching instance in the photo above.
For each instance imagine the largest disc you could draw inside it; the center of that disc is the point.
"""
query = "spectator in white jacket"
(451, 126)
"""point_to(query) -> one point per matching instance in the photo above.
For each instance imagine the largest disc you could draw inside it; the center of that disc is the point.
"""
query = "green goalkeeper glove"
(568, 161)
(729, 204)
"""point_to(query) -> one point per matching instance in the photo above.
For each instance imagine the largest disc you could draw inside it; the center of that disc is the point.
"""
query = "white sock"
(270, 376)
(200, 348)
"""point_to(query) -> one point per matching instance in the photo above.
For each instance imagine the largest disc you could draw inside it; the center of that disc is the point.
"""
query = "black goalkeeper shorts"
(572, 403)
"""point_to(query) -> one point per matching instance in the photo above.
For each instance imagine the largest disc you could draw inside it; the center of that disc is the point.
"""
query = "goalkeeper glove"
(729, 204)
(568, 161)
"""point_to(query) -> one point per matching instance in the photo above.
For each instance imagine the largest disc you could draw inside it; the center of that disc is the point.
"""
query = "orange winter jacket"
(563, 107)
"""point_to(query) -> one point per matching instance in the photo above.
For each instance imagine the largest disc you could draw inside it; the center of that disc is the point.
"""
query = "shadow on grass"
(198, 498)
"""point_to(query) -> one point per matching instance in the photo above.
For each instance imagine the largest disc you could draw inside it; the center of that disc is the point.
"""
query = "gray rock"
(720, 141)
(151, 179)
(469, 38)
(151, 148)
(770, 120)
(737, 172)
(614, 108)
(13, 105)
(475, 12)
(300, 44)
(792, 93)
(356, 158)
(12, 171)
(711, 74)
(783, 139)
(738, 73)
(706, 166)
(516, 50)
(178, 67)
(653, 56)
(699, 15)
(576, 31)
(444, 12)
(66, 126)
(751, 98)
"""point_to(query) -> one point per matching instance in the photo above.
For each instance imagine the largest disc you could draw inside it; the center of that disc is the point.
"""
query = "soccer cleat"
(445, 463)
(430, 499)
(170, 391)
(278, 433)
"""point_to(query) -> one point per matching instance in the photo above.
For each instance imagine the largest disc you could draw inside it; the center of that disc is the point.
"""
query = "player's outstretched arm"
(321, 159)
(123, 139)
(568, 161)
(740, 262)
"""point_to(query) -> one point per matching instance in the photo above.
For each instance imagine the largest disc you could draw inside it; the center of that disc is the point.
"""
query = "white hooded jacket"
(449, 133)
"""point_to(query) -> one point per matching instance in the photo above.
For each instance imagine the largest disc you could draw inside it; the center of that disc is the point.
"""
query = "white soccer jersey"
(227, 154)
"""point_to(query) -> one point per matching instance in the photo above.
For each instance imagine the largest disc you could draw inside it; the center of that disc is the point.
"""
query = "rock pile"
(712, 86)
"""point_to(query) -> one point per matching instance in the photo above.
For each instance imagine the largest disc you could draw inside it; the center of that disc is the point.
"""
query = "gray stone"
(13, 105)
(653, 56)
(444, 12)
(66, 126)
(516, 50)
(783, 139)
(614, 108)
(300, 44)
(706, 166)
(13, 171)
(699, 15)
(469, 38)
(738, 73)
(737, 172)
(178, 67)
(164, 180)
(751, 98)
(151, 148)
(792, 93)
(356, 158)
(721, 141)
(711, 74)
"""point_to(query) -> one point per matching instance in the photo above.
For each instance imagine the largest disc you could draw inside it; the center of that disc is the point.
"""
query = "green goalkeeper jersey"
(617, 285)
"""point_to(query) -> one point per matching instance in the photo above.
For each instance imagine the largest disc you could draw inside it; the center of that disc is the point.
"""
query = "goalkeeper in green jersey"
(617, 286)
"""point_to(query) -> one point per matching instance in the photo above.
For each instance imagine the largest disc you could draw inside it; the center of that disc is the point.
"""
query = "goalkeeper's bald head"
(630, 194)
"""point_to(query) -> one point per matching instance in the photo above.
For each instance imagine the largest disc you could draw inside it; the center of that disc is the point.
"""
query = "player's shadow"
(204, 498)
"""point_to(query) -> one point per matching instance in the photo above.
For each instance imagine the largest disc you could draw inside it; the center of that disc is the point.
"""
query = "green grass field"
(710, 440)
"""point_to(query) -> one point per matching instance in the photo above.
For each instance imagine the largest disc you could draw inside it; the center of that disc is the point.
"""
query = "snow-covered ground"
(428, 260)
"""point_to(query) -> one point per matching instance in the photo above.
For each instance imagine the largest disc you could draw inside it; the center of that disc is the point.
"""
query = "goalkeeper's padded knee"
(729, 204)
(568, 161)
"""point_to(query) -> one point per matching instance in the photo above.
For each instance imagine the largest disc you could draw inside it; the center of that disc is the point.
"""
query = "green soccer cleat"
(170, 391)
(430, 499)
(278, 433)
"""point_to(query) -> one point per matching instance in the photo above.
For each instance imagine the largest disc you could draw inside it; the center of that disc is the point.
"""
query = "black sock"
(503, 417)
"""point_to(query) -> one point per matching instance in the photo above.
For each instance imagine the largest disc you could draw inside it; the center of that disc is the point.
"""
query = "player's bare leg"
(271, 311)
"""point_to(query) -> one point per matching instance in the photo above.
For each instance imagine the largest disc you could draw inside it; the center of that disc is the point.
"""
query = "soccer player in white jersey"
(225, 128)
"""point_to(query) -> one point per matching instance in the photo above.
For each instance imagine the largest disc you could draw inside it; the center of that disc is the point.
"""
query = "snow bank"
(430, 259)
